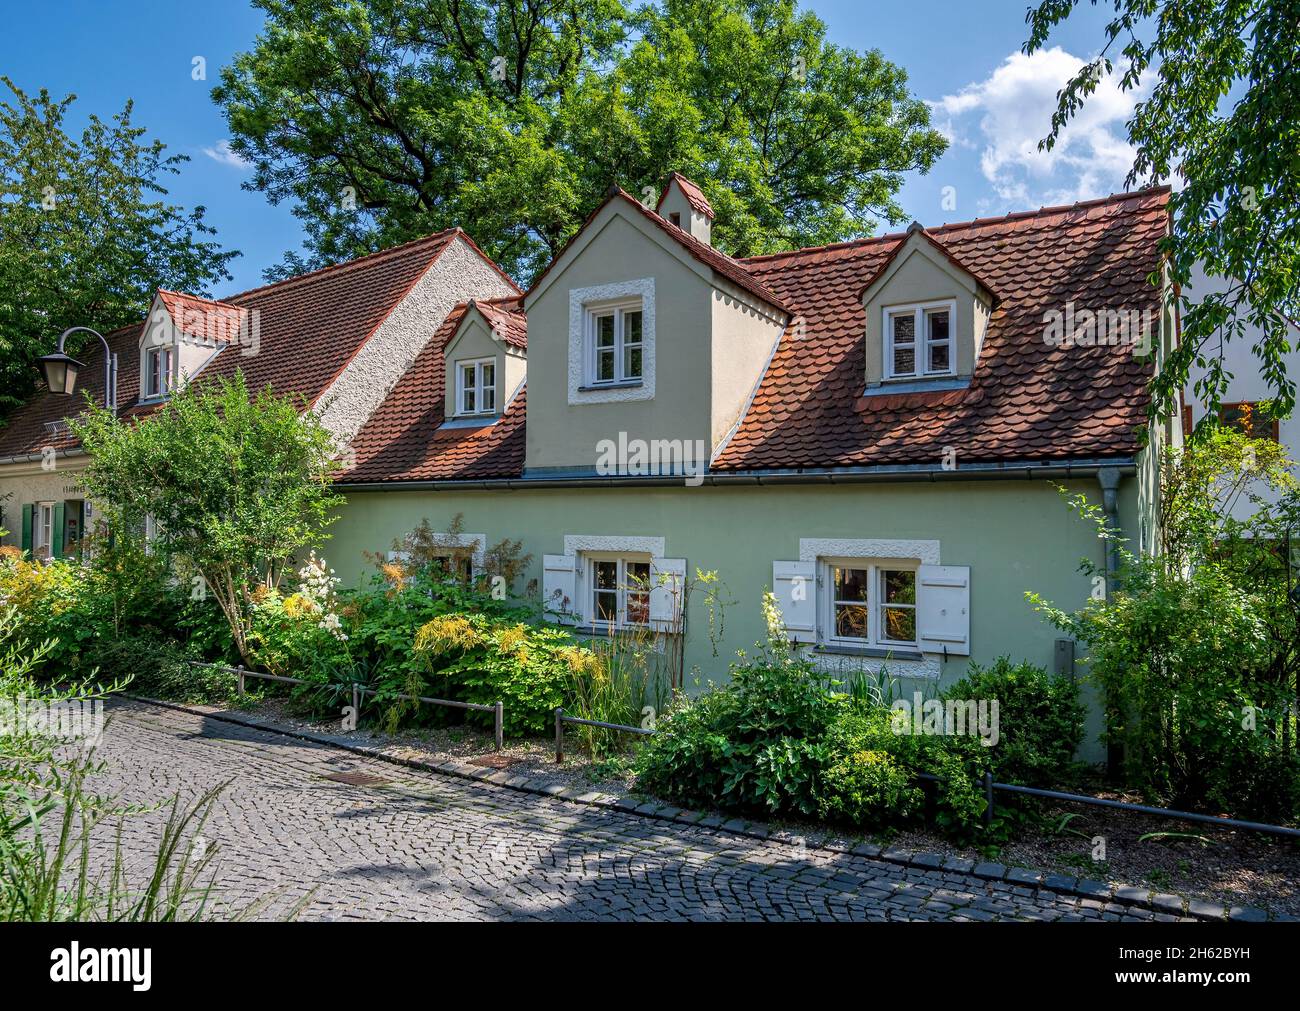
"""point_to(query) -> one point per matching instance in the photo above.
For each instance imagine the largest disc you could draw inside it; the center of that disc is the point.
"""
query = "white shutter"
(943, 608)
(667, 585)
(559, 588)
(795, 587)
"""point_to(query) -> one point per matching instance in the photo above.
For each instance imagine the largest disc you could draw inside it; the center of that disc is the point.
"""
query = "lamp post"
(60, 370)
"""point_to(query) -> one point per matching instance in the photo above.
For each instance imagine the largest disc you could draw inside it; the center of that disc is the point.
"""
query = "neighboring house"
(339, 338)
(875, 430)
(1244, 403)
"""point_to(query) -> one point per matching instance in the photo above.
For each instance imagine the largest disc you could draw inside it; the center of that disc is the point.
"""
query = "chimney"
(683, 204)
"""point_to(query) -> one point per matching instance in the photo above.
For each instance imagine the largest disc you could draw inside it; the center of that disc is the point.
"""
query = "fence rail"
(561, 718)
(496, 709)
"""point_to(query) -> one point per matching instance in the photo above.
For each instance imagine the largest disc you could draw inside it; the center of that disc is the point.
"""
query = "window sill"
(890, 653)
(917, 384)
(471, 420)
(597, 387)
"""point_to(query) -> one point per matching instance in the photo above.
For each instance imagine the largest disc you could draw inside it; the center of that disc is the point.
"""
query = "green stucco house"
(876, 430)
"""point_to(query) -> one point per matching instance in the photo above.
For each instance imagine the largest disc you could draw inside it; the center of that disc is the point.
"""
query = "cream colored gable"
(474, 340)
(921, 274)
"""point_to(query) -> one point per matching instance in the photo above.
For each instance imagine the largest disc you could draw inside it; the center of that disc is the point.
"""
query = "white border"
(578, 299)
(811, 549)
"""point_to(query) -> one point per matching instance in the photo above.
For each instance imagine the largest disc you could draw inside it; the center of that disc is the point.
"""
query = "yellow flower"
(296, 606)
(451, 631)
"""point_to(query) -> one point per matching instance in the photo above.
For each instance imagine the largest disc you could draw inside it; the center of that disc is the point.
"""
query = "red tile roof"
(407, 439)
(1027, 400)
(505, 318)
(693, 194)
(308, 328)
(203, 318)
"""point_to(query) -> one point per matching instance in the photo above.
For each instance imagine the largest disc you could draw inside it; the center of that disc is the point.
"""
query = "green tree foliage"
(1195, 650)
(86, 233)
(1220, 116)
(237, 484)
(384, 120)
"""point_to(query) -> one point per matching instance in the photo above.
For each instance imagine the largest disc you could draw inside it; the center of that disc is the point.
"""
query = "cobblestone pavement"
(426, 846)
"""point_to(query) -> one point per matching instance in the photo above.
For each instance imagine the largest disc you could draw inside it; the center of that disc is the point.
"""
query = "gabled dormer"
(683, 204)
(485, 361)
(182, 334)
(926, 316)
(640, 327)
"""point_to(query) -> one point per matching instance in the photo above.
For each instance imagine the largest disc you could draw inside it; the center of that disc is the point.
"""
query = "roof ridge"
(364, 258)
(955, 225)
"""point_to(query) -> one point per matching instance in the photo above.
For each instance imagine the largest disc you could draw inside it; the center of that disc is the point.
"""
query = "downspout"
(1108, 478)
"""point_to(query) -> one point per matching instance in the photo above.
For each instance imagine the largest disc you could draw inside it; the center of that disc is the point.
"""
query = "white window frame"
(922, 342)
(875, 602)
(157, 372)
(480, 387)
(622, 589)
(43, 529)
(593, 313)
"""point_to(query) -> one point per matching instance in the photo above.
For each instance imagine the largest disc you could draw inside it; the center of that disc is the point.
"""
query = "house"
(1245, 402)
(339, 338)
(877, 430)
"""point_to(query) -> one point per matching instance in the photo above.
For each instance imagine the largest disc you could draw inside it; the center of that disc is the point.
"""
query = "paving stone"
(990, 870)
(1023, 876)
(1059, 883)
(959, 864)
(1247, 914)
(1205, 910)
(434, 845)
(1131, 893)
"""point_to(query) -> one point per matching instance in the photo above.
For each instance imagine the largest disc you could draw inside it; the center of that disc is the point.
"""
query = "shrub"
(1040, 722)
(756, 743)
(866, 784)
(474, 658)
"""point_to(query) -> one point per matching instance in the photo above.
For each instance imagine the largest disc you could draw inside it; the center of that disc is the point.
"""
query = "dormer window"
(615, 343)
(476, 387)
(158, 372)
(918, 340)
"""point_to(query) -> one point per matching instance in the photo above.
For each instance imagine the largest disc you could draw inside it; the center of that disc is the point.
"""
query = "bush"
(866, 784)
(472, 658)
(1040, 722)
(755, 744)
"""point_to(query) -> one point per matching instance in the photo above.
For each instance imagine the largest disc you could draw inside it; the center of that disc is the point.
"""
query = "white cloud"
(223, 154)
(1005, 116)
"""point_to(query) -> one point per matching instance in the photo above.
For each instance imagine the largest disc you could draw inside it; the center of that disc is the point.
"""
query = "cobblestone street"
(426, 846)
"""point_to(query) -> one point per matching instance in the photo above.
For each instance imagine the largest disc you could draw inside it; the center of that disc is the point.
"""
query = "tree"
(85, 234)
(235, 484)
(384, 120)
(1221, 114)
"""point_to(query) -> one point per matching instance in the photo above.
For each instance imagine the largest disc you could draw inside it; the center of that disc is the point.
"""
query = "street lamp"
(61, 370)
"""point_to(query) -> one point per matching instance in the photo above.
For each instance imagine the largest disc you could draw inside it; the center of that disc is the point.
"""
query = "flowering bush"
(301, 635)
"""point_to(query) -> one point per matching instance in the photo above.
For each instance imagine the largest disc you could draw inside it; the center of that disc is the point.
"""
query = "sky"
(962, 56)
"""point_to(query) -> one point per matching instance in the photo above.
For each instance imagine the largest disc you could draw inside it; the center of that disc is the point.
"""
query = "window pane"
(605, 331)
(899, 624)
(850, 621)
(606, 605)
(851, 584)
(632, 363)
(904, 361)
(904, 328)
(638, 608)
(606, 575)
(897, 586)
(467, 400)
(638, 574)
(605, 365)
(937, 320)
(489, 374)
(467, 377)
(632, 327)
(938, 358)
(489, 387)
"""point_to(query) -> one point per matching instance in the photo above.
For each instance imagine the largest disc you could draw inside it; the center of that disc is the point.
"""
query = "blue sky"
(961, 55)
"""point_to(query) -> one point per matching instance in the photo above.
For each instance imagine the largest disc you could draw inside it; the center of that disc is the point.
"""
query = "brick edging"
(1101, 891)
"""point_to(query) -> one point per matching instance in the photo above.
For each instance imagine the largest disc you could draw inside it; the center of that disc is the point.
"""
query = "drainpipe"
(1108, 478)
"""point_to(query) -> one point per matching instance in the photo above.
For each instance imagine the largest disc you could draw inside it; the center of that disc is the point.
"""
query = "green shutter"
(56, 535)
(27, 528)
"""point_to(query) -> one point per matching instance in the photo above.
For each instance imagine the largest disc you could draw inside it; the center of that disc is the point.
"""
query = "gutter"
(1026, 471)
(38, 457)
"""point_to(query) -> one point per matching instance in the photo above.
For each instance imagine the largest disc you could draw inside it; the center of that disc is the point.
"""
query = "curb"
(1159, 903)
